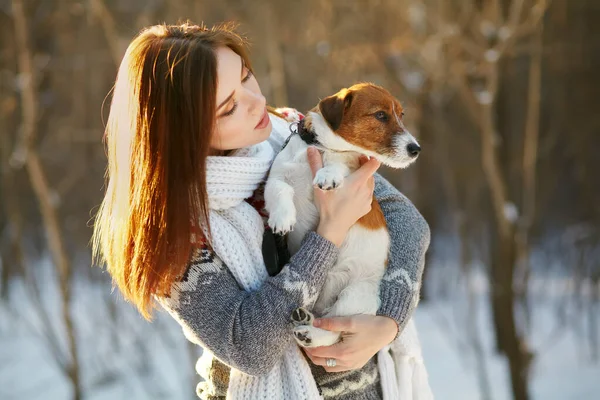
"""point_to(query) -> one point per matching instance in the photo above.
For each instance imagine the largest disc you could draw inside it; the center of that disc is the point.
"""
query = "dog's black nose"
(413, 149)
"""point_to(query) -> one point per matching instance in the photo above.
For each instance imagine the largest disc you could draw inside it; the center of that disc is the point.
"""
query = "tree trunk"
(42, 190)
(503, 301)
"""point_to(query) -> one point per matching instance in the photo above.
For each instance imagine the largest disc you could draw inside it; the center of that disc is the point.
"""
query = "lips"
(264, 121)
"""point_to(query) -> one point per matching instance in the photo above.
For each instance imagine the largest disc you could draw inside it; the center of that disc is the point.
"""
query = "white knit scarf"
(237, 231)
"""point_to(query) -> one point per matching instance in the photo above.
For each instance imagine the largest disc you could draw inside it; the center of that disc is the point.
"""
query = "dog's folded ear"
(333, 107)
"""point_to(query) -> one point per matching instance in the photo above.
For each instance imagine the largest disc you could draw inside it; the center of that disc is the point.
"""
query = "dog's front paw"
(303, 335)
(309, 336)
(301, 316)
(282, 219)
(328, 179)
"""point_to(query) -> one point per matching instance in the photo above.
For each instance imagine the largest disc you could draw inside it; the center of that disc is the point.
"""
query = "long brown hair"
(158, 134)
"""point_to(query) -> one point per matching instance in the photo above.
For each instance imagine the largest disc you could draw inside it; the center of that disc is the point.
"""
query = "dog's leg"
(279, 203)
(359, 297)
(307, 335)
(279, 194)
(332, 287)
(336, 166)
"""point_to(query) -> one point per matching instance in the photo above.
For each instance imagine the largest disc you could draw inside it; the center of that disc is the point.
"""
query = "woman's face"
(242, 118)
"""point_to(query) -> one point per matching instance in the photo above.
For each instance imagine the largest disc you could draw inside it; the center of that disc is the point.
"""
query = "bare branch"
(40, 185)
(109, 27)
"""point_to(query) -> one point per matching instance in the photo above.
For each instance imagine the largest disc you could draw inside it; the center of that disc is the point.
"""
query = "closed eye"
(230, 112)
(235, 103)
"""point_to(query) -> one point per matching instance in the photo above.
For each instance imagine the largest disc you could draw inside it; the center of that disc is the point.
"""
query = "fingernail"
(317, 322)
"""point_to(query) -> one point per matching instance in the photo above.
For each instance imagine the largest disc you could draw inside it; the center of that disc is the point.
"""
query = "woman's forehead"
(229, 71)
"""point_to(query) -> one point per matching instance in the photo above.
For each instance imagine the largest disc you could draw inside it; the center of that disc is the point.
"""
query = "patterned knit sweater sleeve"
(410, 237)
(247, 330)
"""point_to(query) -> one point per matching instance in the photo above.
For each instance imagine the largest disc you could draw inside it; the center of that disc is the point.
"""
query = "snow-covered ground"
(124, 357)
(564, 365)
(559, 371)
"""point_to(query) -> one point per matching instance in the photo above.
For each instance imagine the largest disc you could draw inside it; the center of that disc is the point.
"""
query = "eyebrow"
(232, 93)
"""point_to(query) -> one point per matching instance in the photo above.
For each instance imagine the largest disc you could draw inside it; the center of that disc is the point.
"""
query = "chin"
(397, 162)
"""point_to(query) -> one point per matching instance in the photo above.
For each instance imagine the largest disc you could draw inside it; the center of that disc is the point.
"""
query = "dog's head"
(367, 119)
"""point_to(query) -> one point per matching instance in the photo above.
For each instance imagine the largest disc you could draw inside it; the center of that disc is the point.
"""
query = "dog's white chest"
(352, 285)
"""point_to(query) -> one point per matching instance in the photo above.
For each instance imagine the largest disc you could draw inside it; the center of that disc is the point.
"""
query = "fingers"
(371, 183)
(337, 351)
(339, 367)
(319, 356)
(336, 324)
(314, 159)
(366, 171)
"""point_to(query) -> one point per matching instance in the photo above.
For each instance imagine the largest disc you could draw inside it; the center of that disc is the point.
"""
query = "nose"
(413, 149)
(257, 102)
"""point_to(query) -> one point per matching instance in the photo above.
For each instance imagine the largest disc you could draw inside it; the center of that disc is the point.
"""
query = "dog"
(364, 119)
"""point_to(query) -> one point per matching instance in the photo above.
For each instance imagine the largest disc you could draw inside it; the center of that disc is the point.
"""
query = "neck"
(220, 153)
(308, 136)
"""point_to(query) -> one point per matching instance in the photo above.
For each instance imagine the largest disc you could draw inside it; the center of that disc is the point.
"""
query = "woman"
(190, 143)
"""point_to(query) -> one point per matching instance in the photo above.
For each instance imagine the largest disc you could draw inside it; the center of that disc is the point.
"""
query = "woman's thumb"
(336, 324)
(314, 159)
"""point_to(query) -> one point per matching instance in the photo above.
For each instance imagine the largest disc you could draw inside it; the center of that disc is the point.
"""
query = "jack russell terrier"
(364, 119)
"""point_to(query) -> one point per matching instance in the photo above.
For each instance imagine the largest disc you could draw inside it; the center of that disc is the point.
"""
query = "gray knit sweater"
(250, 331)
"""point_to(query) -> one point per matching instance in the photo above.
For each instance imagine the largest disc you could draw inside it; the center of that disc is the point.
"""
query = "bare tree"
(478, 87)
(461, 46)
(489, 87)
(26, 152)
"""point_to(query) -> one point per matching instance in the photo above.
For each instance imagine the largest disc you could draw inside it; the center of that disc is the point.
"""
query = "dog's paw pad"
(300, 316)
(303, 336)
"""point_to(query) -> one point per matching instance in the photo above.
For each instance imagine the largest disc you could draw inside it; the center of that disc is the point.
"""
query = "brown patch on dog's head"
(334, 107)
(365, 115)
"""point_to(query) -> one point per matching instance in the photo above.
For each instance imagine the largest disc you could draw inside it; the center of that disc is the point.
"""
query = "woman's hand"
(362, 337)
(339, 209)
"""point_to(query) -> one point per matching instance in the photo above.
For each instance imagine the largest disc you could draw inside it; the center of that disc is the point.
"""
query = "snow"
(124, 357)
(511, 213)
(558, 372)
(491, 55)
(504, 33)
(562, 368)
(484, 97)
(487, 28)
(417, 16)
(412, 80)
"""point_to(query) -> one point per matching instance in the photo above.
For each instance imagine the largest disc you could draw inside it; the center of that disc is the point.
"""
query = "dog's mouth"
(398, 162)
(404, 151)
(393, 160)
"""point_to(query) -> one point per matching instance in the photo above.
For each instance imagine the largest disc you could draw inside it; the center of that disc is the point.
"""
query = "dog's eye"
(402, 115)
(381, 116)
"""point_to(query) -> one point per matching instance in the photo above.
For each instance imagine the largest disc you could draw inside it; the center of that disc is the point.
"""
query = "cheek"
(369, 133)
(253, 85)
(233, 132)
(384, 136)
(224, 135)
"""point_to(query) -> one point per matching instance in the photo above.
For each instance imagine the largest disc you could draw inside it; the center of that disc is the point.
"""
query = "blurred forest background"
(502, 94)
